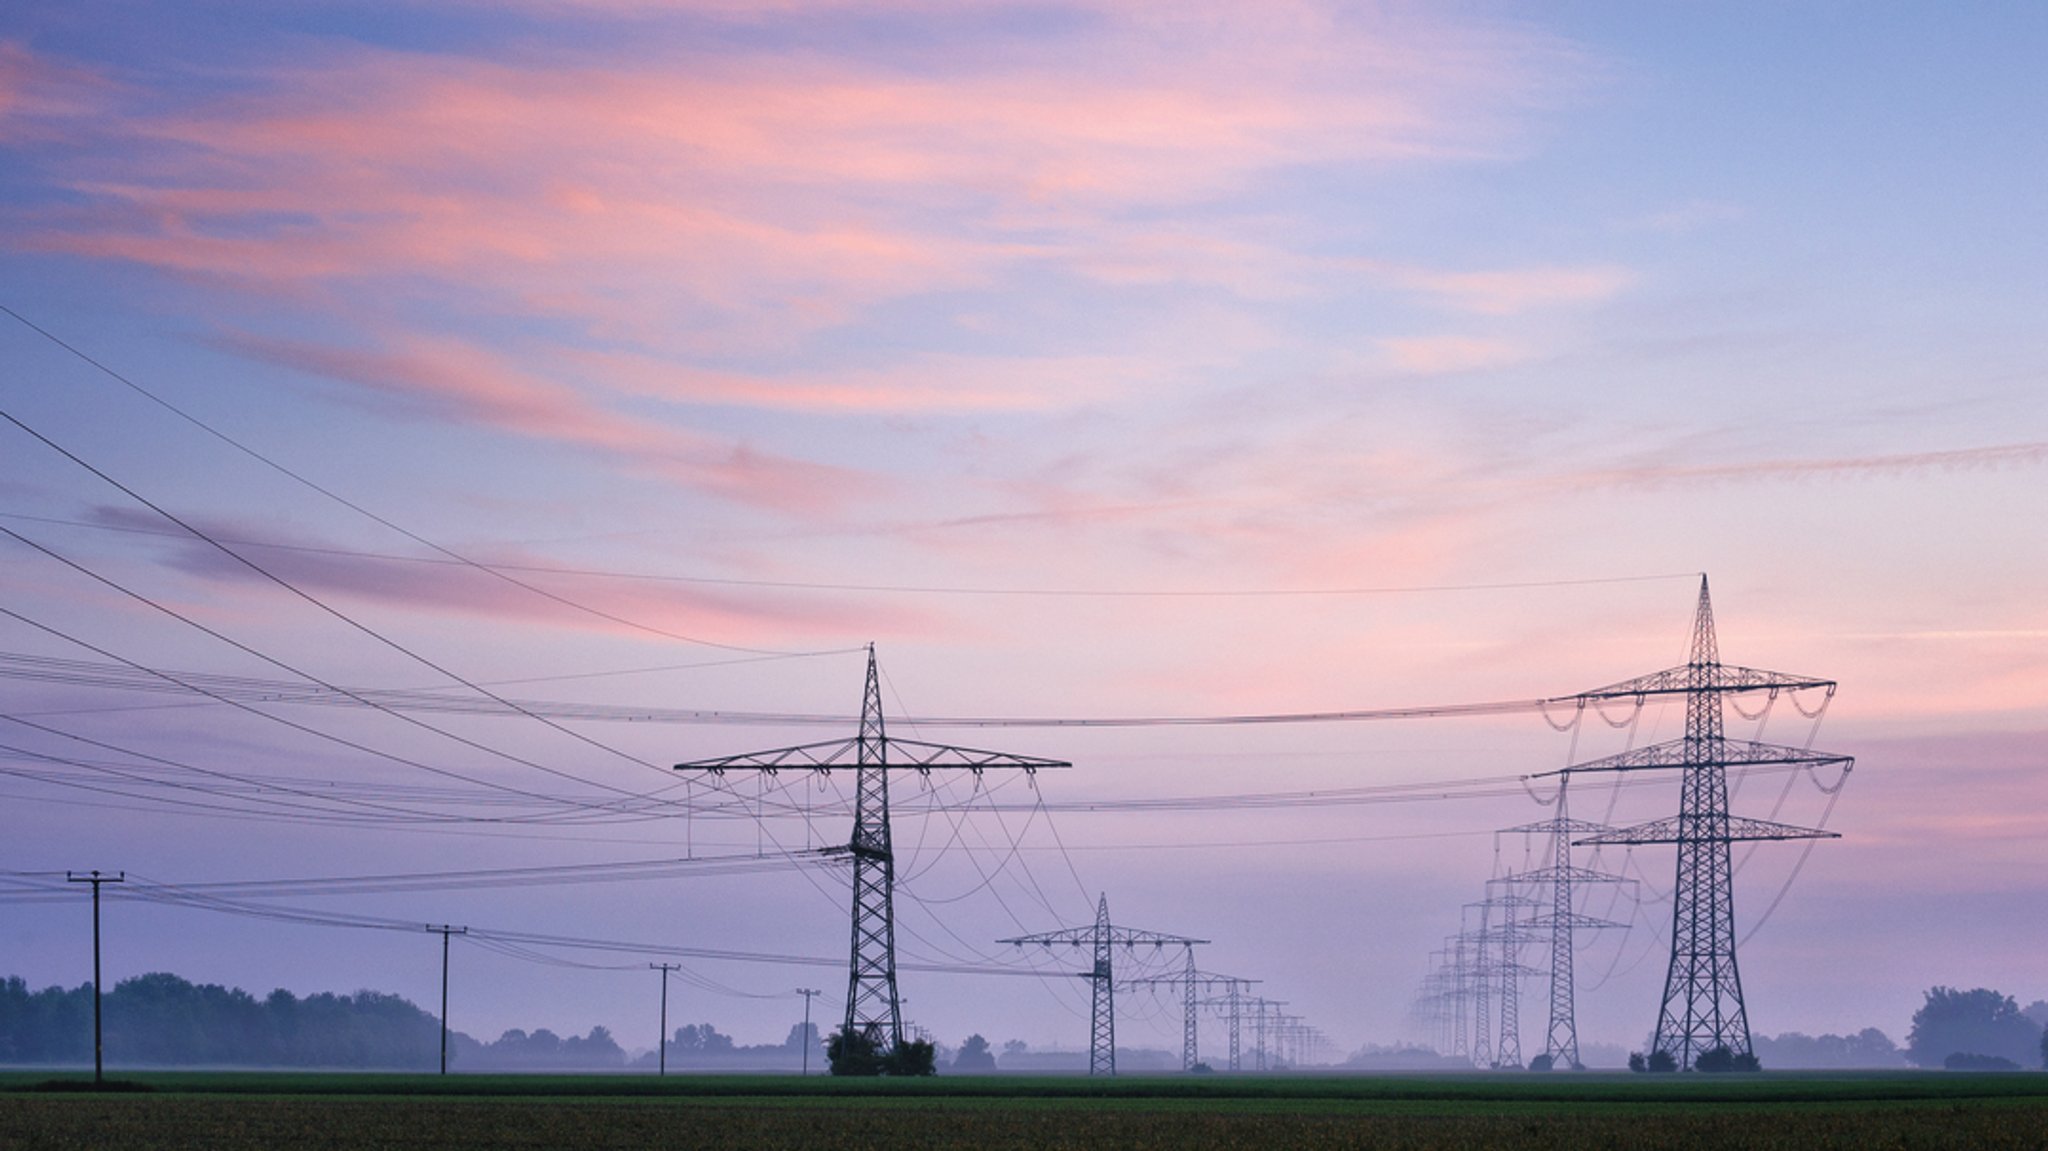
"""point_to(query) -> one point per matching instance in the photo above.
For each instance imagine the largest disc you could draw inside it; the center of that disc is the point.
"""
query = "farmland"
(349, 1112)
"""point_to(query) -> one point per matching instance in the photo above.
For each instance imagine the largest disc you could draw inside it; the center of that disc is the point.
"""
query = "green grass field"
(254, 1110)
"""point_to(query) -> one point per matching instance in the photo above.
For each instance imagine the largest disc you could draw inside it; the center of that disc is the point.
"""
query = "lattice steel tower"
(1561, 1039)
(1102, 937)
(873, 1008)
(1702, 1007)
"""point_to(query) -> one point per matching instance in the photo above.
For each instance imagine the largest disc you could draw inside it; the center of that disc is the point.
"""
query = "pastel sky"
(1090, 359)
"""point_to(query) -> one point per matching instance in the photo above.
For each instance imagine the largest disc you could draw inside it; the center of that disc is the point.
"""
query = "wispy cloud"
(439, 585)
(456, 381)
(1992, 458)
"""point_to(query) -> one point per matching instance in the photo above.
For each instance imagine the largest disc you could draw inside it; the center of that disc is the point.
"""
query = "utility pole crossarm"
(1737, 829)
(1722, 753)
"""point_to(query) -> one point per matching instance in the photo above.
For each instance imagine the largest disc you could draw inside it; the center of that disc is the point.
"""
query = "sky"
(1089, 360)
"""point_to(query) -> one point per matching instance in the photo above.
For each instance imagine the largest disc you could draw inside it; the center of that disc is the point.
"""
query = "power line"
(329, 493)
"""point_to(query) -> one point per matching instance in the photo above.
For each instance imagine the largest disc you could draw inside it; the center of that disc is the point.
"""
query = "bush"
(1967, 1061)
(1663, 1061)
(1722, 1059)
(911, 1057)
(1540, 1063)
(1635, 1062)
(853, 1053)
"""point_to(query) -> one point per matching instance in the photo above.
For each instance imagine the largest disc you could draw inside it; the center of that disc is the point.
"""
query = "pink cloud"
(452, 380)
(1443, 355)
(763, 182)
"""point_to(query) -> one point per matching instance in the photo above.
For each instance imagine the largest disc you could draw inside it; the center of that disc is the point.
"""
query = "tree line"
(161, 1020)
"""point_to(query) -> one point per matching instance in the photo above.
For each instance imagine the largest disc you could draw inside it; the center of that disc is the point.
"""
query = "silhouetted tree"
(1635, 1062)
(1717, 1059)
(1540, 1063)
(1975, 1022)
(852, 1053)
(911, 1057)
(974, 1057)
(1663, 1061)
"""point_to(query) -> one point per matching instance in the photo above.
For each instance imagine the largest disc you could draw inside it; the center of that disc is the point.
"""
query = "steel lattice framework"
(1192, 984)
(1702, 1008)
(1561, 1039)
(1103, 937)
(873, 1008)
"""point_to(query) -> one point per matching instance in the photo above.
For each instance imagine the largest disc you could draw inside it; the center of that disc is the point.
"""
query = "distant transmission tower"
(1561, 1040)
(1232, 1003)
(1494, 951)
(873, 1009)
(1702, 1007)
(1192, 984)
(1103, 936)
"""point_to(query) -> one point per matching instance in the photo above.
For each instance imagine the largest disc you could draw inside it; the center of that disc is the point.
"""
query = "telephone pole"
(661, 1059)
(873, 1007)
(445, 931)
(808, 994)
(99, 1069)
(1102, 936)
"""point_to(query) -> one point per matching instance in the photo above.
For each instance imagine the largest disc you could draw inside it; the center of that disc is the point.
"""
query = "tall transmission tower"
(1561, 1039)
(1103, 936)
(873, 1008)
(1702, 1008)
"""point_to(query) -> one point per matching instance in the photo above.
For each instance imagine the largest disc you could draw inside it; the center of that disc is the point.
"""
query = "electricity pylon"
(1192, 984)
(1103, 936)
(873, 1009)
(1509, 934)
(1232, 1003)
(1561, 1040)
(1702, 1008)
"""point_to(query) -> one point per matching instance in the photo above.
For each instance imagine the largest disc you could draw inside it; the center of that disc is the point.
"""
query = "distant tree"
(974, 1057)
(1635, 1062)
(1975, 1022)
(1540, 1063)
(852, 1053)
(2044, 1049)
(1661, 1060)
(701, 1039)
(911, 1057)
(2037, 1011)
(1721, 1058)
(1867, 1048)
(1015, 1047)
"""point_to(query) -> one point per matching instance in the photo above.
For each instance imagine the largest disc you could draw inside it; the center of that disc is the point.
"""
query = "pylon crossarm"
(1680, 753)
(1553, 826)
(1736, 829)
(1125, 935)
(1574, 920)
(1721, 677)
(896, 753)
(1549, 875)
